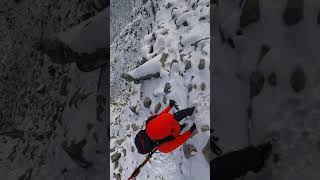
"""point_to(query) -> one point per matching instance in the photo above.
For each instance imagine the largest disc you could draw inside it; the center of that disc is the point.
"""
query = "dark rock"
(157, 108)
(75, 151)
(120, 141)
(117, 176)
(264, 50)
(147, 102)
(63, 88)
(190, 87)
(256, 83)
(134, 109)
(188, 150)
(250, 13)
(163, 59)
(205, 128)
(132, 149)
(134, 127)
(207, 153)
(298, 79)
(164, 100)
(293, 12)
(272, 79)
(188, 65)
(167, 88)
(115, 157)
(202, 64)
(203, 86)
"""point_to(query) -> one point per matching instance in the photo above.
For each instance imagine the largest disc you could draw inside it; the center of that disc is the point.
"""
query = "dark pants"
(183, 113)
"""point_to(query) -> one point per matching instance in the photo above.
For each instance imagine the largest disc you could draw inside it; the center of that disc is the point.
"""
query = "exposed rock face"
(188, 65)
(167, 88)
(293, 12)
(298, 79)
(205, 128)
(250, 13)
(203, 86)
(157, 108)
(189, 150)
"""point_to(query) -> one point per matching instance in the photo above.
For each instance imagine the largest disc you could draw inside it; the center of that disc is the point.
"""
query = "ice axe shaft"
(137, 170)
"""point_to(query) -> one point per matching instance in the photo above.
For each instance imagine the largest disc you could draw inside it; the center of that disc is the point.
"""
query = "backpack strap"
(164, 140)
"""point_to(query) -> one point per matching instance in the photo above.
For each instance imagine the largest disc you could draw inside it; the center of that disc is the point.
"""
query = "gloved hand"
(193, 128)
(172, 103)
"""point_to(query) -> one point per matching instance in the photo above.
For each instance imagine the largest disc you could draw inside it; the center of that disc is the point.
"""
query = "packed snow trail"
(166, 56)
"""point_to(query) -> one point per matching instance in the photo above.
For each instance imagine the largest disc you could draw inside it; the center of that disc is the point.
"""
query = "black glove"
(172, 103)
(193, 127)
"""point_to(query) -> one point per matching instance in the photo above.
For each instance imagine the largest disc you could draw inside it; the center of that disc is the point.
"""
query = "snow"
(166, 37)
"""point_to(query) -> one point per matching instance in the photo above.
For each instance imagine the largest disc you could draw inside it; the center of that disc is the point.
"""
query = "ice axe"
(137, 170)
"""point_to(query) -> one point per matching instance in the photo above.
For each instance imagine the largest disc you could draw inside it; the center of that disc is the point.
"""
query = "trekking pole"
(137, 170)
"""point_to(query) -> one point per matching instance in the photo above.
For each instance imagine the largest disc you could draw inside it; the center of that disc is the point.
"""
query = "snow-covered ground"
(282, 48)
(165, 50)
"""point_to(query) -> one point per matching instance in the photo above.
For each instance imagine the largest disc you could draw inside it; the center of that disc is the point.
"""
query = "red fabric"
(163, 126)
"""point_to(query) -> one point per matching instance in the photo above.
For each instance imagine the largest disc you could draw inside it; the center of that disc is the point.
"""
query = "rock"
(134, 109)
(132, 149)
(63, 88)
(134, 127)
(128, 127)
(194, 86)
(117, 176)
(190, 87)
(207, 153)
(157, 108)
(188, 65)
(75, 151)
(205, 128)
(147, 102)
(250, 13)
(120, 141)
(293, 12)
(189, 150)
(272, 79)
(115, 157)
(201, 64)
(203, 86)
(163, 59)
(167, 88)
(164, 100)
(256, 83)
(298, 79)
(264, 50)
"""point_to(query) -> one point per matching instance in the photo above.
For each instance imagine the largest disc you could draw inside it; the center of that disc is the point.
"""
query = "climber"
(163, 131)
(165, 128)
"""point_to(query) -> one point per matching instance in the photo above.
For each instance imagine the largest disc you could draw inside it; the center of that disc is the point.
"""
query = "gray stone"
(188, 65)
(202, 64)
(190, 87)
(147, 102)
(134, 109)
(167, 88)
(163, 59)
(115, 157)
(164, 100)
(117, 176)
(188, 150)
(298, 79)
(250, 13)
(205, 128)
(207, 153)
(120, 141)
(132, 149)
(134, 127)
(157, 108)
(293, 12)
(203, 86)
